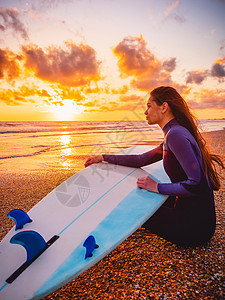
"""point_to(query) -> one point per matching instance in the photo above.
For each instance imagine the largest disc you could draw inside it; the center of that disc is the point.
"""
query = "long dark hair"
(185, 118)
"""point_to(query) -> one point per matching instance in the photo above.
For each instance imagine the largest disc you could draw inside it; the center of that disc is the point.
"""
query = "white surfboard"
(100, 203)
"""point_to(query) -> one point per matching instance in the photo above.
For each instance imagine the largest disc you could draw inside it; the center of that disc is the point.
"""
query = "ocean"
(32, 146)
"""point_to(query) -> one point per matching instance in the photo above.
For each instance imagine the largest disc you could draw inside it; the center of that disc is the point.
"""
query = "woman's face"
(153, 112)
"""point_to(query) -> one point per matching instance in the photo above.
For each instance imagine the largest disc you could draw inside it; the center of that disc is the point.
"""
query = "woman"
(188, 217)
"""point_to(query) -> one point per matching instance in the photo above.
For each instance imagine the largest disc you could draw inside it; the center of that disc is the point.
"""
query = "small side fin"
(20, 217)
(90, 245)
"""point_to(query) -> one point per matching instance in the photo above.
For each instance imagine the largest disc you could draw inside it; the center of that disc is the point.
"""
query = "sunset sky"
(97, 59)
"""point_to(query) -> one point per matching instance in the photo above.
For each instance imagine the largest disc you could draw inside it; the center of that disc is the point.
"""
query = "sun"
(65, 111)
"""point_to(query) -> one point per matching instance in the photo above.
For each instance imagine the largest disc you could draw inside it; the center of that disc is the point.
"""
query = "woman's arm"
(183, 149)
(135, 161)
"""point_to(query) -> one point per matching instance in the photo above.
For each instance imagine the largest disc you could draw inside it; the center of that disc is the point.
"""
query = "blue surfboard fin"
(90, 245)
(31, 240)
(20, 217)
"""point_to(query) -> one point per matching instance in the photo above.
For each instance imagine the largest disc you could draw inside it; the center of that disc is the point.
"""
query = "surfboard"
(75, 226)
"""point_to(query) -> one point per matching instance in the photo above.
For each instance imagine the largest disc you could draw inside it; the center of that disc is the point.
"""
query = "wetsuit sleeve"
(136, 161)
(185, 154)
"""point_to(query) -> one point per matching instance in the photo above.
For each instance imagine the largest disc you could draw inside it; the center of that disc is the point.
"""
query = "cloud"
(124, 103)
(42, 93)
(9, 67)
(76, 65)
(69, 93)
(179, 18)
(217, 71)
(214, 98)
(43, 5)
(17, 97)
(218, 68)
(170, 14)
(27, 94)
(130, 98)
(149, 81)
(135, 59)
(171, 6)
(23, 94)
(169, 64)
(123, 90)
(105, 88)
(196, 76)
(10, 19)
(120, 103)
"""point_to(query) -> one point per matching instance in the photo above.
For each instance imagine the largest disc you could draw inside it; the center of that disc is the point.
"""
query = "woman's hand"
(93, 160)
(148, 184)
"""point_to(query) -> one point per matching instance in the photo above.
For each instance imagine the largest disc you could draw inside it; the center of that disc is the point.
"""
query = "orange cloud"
(123, 90)
(127, 103)
(94, 90)
(121, 103)
(208, 99)
(9, 67)
(77, 65)
(149, 81)
(42, 93)
(106, 90)
(136, 60)
(71, 94)
(21, 95)
(130, 98)
(220, 61)
(13, 97)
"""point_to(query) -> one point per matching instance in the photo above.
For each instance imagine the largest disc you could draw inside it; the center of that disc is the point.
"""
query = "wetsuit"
(188, 216)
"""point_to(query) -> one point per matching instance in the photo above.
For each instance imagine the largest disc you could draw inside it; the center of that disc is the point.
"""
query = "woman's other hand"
(93, 160)
(148, 184)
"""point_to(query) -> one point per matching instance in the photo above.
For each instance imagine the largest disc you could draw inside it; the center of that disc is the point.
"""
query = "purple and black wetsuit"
(188, 216)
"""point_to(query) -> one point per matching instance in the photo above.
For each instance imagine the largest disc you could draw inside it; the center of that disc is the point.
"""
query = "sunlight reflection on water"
(66, 150)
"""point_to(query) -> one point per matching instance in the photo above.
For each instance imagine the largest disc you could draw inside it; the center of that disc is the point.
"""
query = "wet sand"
(144, 266)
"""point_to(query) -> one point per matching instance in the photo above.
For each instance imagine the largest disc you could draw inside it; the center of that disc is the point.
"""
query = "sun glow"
(66, 110)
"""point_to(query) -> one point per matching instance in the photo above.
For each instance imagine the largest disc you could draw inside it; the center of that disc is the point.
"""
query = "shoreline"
(144, 266)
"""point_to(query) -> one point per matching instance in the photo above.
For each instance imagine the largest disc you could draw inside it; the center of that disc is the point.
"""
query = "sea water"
(36, 145)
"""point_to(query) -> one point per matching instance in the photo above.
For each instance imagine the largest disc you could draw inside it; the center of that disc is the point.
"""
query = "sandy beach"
(144, 266)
